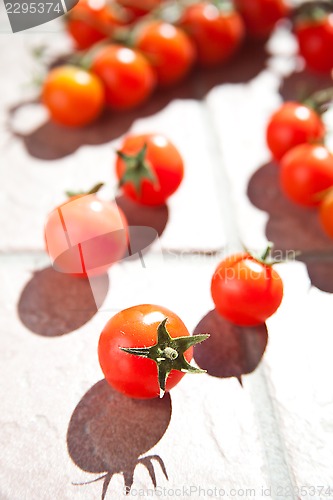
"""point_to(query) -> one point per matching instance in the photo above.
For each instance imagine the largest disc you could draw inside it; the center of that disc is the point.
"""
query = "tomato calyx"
(223, 5)
(320, 100)
(312, 12)
(264, 258)
(168, 353)
(136, 169)
(93, 190)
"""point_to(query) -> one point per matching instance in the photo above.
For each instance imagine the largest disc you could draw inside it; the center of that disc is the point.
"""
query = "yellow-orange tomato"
(73, 96)
(85, 235)
(326, 214)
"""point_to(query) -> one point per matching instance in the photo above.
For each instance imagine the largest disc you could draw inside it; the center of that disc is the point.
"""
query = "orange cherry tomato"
(170, 51)
(74, 97)
(216, 32)
(127, 76)
(85, 236)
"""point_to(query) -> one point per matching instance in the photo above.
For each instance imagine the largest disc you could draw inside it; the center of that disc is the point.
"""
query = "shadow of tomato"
(232, 351)
(53, 304)
(109, 432)
(293, 227)
(50, 141)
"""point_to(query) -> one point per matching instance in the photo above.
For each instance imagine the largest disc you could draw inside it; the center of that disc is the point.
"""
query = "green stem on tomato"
(93, 190)
(168, 353)
(320, 100)
(136, 169)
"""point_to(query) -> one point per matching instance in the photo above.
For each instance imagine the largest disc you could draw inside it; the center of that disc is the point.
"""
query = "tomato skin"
(127, 76)
(245, 291)
(165, 161)
(85, 236)
(74, 97)
(260, 16)
(293, 124)
(134, 376)
(170, 51)
(91, 21)
(315, 40)
(326, 214)
(306, 171)
(140, 7)
(216, 33)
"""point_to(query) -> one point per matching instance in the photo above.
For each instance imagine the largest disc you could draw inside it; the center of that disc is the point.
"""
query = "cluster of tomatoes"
(86, 235)
(129, 47)
(295, 136)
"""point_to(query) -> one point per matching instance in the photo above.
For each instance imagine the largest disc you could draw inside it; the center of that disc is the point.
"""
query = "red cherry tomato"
(140, 327)
(260, 16)
(127, 76)
(74, 97)
(86, 235)
(169, 50)
(152, 179)
(140, 7)
(293, 124)
(326, 214)
(246, 291)
(315, 40)
(306, 171)
(91, 21)
(217, 33)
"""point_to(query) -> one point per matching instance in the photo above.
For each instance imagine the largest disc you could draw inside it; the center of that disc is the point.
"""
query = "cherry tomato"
(306, 171)
(260, 16)
(216, 32)
(149, 168)
(168, 48)
(86, 235)
(293, 124)
(141, 372)
(326, 213)
(315, 40)
(91, 21)
(74, 97)
(127, 76)
(246, 291)
(140, 7)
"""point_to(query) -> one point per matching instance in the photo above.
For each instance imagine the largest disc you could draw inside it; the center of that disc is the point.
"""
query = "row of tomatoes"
(295, 136)
(86, 235)
(123, 65)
